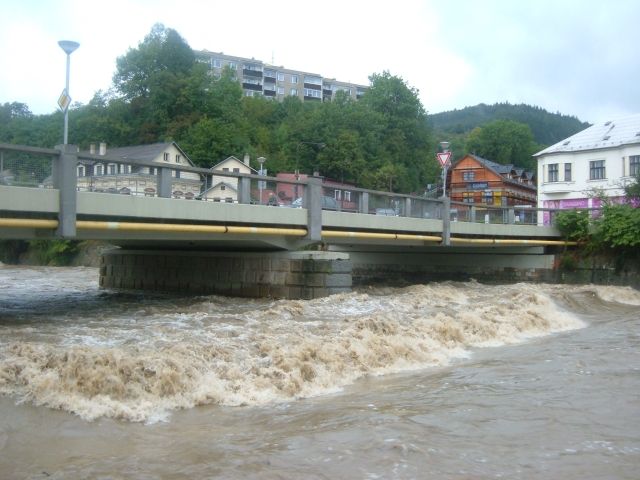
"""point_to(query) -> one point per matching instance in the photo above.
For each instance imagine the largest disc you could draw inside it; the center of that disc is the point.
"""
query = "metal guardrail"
(66, 169)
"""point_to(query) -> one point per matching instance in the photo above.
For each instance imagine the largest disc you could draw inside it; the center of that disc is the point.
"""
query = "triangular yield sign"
(443, 158)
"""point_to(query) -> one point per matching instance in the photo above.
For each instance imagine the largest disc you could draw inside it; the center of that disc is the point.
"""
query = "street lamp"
(69, 47)
(261, 160)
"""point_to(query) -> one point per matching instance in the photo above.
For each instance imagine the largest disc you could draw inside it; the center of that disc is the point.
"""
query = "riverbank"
(53, 253)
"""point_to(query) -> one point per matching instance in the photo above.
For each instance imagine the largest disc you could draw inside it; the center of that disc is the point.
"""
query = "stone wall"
(293, 275)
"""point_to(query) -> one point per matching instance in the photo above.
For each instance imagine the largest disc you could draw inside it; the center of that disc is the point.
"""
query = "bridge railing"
(22, 166)
(67, 169)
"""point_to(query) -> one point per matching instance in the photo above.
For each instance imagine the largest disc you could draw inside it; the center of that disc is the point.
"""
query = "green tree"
(505, 142)
(161, 83)
(405, 139)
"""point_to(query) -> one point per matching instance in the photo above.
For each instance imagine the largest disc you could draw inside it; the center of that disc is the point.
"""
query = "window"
(216, 63)
(293, 92)
(233, 65)
(567, 172)
(280, 90)
(223, 187)
(236, 170)
(152, 171)
(178, 159)
(81, 170)
(228, 200)
(112, 169)
(166, 156)
(597, 170)
(294, 78)
(308, 92)
(337, 194)
(488, 197)
(280, 77)
(467, 197)
(99, 169)
(468, 175)
(552, 172)
(634, 165)
(225, 169)
(347, 196)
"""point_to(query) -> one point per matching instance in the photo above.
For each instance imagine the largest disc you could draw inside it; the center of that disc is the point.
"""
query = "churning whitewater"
(138, 358)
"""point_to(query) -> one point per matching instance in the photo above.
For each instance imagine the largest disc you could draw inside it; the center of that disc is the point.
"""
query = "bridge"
(174, 242)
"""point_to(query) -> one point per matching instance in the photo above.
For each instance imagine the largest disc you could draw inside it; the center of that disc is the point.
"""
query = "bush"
(619, 228)
(54, 252)
(573, 224)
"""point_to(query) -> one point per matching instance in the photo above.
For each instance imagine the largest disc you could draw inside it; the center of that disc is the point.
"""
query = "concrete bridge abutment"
(314, 274)
(291, 275)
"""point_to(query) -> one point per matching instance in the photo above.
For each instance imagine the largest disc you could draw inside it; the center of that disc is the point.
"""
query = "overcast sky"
(569, 56)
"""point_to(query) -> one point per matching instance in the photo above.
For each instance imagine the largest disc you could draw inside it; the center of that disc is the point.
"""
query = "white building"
(603, 157)
(223, 188)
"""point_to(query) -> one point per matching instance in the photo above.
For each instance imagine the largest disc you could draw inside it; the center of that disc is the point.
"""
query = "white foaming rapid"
(138, 363)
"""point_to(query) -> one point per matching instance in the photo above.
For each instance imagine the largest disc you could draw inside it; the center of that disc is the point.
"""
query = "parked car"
(328, 203)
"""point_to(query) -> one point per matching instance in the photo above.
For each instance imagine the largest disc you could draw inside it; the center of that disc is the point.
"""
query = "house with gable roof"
(479, 181)
(107, 176)
(223, 188)
(603, 158)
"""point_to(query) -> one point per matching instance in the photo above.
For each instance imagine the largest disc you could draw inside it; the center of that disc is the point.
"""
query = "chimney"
(103, 148)
(92, 148)
(246, 159)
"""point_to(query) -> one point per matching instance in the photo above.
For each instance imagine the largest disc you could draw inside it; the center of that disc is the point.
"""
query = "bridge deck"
(268, 227)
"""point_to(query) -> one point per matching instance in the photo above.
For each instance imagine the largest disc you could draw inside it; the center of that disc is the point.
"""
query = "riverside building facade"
(261, 79)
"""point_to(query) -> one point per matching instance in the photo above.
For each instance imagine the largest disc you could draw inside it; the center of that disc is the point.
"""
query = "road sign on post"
(444, 158)
(64, 100)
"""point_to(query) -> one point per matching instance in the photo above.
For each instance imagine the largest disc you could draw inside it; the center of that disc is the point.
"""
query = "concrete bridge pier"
(292, 275)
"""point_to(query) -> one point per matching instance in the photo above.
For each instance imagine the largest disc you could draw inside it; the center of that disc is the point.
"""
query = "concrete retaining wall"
(293, 275)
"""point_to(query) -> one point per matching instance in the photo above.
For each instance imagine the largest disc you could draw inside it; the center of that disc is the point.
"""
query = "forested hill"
(547, 128)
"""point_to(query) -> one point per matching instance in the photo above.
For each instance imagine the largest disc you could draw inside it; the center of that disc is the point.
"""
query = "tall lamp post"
(261, 160)
(69, 47)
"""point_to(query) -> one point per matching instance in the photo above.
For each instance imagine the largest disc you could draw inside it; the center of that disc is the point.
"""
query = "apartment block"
(261, 79)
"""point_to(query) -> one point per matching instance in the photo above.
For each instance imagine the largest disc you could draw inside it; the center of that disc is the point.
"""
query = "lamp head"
(445, 146)
(68, 46)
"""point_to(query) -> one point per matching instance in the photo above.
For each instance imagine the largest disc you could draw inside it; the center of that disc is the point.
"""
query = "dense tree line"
(161, 92)
(547, 128)
(385, 140)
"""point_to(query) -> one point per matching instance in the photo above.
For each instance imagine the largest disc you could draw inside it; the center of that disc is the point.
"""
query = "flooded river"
(443, 381)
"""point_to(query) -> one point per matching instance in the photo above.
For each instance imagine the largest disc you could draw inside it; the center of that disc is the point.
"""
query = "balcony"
(252, 86)
(248, 72)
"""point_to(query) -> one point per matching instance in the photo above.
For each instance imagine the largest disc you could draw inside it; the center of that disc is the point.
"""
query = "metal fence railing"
(30, 168)
(37, 167)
